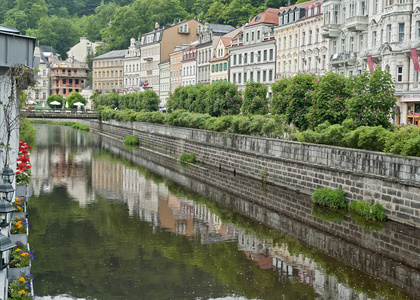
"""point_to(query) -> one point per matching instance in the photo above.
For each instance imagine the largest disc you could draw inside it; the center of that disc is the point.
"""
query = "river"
(110, 222)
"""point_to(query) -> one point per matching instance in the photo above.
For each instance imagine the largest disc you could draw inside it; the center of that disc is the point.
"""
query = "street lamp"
(7, 174)
(6, 211)
(6, 247)
(6, 191)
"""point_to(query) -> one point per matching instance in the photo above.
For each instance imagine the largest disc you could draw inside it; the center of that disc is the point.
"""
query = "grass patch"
(71, 124)
(329, 197)
(367, 210)
(131, 140)
(188, 157)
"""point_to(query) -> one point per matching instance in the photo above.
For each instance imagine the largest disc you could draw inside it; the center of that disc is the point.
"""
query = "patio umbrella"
(78, 104)
(55, 103)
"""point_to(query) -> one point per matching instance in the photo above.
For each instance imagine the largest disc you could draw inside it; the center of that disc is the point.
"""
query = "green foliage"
(148, 101)
(279, 101)
(26, 131)
(73, 98)
(368, 138)
(255, 99)
(403, 140)
(80, 127)
(328, 214)
(224, 98)
(324, 133)
(188, 157)
(372, 99)
(131, 140)
(329, 197)
(57, 98)
(298, 95)
(20, 288)
(329, 99)
(368, 210)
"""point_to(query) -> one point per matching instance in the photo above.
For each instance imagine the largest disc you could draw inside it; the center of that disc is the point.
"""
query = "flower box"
(21, 287)
(22, 257)
(17, 236)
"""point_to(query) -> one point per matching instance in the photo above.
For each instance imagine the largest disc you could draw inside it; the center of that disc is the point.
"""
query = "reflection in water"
(103, 227)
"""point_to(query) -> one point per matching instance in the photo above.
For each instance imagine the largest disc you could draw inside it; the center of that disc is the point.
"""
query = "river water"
(109, 222)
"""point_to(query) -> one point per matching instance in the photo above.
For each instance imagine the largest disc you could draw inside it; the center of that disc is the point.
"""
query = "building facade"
(83, 49)
(131, 63)
(252, 55)
(219, 64)
(189, 66)
(175, 59)
(164, 81)
(107, 72)
(67, 76)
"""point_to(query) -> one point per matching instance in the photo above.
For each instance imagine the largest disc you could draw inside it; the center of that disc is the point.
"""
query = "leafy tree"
(329, 99)
(279, 102)
(150, 101)
(16, 19)
(373, 99)
(73, 98)
(57, 98)
(34, 10)
(224, 98)
(255, 99)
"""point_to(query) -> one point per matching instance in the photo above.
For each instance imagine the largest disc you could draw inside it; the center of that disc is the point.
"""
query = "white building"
(165, 81)
(131, 72)
(209, 38)
(364, 34)
(83, 49)
(252, 55)
(189, 66)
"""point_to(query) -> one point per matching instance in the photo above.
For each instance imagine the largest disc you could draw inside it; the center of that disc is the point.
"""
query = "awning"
(415, 59)
(370, 63)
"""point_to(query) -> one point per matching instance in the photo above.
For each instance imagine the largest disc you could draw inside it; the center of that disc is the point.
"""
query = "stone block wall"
(391, 180)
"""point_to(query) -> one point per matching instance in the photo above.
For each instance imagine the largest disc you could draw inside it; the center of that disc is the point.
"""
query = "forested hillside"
(60, 23)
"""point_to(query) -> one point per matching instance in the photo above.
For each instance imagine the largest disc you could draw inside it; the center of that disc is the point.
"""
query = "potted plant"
(19, 230)
(23, 170)
(20, 208)
(20, 287)
(20, 261)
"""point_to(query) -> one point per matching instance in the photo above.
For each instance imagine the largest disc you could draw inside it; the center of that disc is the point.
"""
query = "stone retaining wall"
(392, 180)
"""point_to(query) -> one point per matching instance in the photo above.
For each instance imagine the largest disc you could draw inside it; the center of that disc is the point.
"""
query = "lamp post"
(6, 247)
(6, 211)
(6, 191)
(7, 175)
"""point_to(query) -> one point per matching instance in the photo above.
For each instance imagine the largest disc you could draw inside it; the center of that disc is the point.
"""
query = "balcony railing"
(330, 30)
(357, 23)
(66, 75)
(345, 57)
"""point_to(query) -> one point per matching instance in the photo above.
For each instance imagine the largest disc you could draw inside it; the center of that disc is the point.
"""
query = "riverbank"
(392, 180)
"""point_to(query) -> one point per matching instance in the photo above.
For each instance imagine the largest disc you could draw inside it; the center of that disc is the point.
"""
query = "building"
(159, 43)
(107, 72)
(164, 81)
(67, 76)
(83, 49)
(131, 63)
(175, 60)
(219, 63)
(42, 89)
(189, 66)
(365, 34)
(313, 51)
(208, 40)
(252, 54)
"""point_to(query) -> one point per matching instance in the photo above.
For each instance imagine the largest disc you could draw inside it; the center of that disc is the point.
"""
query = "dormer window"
(281, 20)
(297, 15)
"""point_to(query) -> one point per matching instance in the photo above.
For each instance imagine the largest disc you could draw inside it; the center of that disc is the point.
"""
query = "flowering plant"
(21, 256)
(18, 205)
(19, 226)
(20, 288)
(23, 170)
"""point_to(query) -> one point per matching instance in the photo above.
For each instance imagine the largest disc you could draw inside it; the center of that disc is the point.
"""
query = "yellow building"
(219, 70)
(107, 72)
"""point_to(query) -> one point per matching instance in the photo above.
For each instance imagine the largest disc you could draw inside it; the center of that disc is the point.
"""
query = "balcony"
(399, 8)
(357, 23)
(67, 75)
(330, 30)
(345, 58)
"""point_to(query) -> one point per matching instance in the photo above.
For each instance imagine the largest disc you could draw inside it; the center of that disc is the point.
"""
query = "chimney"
(156, 25)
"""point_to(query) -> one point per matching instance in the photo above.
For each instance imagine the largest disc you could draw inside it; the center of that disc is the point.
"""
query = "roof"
(303, 4)
(112, 54)
(47, 49)
(219, 58)
(225, 41)
(220, 28)
(8, 29)
(268, 16)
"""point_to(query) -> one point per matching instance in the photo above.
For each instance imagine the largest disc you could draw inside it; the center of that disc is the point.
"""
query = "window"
(234, 77)
(44, 95)
(245, 58)
(258, 76)
(44, 72)
(251, 75)
(296, 40)
(264, 76)
(316, 35)
(375, 6)
(399, 73)
(401, 29)
(284, 44)
(374, 39)
(225, 66)
(270, 75)
(290, 42)
(418, 29)
(245, 75)
(310, 37)
(265, 55)
(258, 35)
(240, 59)
(334, 47)
(252, 36)
(239, 77)
(271, 54)
(280, 41)
(351, 44)
(388, 33)
(303, 38)
(234, 59)
(247, 36)
(252, 57)
(44, 83)
(259, 55)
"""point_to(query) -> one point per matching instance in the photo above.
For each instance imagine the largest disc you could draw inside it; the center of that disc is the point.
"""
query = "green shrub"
(54, 98)
(188, 157)
(329, 197)
(26, 131)
(328, 214)
(80, 127)
(402, 140)
(367, 138)
(223, 98)
(279, 101)
(131, 140)
(368, 210)
(255, 98)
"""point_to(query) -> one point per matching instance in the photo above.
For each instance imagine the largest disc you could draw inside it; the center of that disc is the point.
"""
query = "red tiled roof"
(219, 58)
(225, 41)
(268, 16)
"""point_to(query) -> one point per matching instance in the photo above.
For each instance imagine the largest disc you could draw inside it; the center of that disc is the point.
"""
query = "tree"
(255, 99)
(73, 98)
(373, 99)
(16, 19)
(279, 102)
(57, 98)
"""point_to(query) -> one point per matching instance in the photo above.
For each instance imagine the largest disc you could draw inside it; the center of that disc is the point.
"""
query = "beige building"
(175, 61)
(107, 72)
(219, 70)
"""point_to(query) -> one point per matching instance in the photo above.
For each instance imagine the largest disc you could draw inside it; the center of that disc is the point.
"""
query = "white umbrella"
(31, 102)
(55, 103)
(78, 104)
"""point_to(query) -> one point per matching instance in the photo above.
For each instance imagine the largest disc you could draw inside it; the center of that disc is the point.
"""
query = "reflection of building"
(255, 249)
